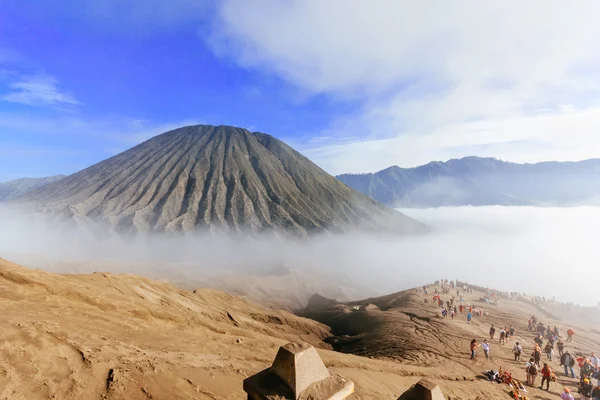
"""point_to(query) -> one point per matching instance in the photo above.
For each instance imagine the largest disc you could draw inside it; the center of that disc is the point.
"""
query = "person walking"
(492, 332)
(570, 333)
(473, 347)
(537, 355)
(532, 371)
(568, 361)
(517, 350)
(548, 350)
(539, 340)
(469, 316)
(486, 349)
(502, 336)
(546, 376)
(560, 345)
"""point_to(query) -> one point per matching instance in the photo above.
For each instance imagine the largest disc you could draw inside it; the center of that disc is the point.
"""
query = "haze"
(541, 251)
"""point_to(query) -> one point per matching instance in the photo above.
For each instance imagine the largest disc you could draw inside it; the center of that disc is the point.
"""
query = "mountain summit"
(216, 178)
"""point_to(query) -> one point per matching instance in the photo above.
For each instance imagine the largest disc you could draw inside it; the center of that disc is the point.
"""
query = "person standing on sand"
(469, 316)
(549, 350)
(473, 347)
(570, 334)
(532, 371)
(486, 349)
(566, 394)
(569, 363)
(538, 340)
(537, 355)
(517, 350)
(546, 375)
(492, 332)
(512, 331)
(560, 345)
(502, 336)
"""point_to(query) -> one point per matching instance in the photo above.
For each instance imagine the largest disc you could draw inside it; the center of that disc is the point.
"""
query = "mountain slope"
(219, 178)
(482, 181)
(12, 189)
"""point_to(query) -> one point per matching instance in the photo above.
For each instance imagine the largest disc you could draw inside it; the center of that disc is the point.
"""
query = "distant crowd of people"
(546, 340)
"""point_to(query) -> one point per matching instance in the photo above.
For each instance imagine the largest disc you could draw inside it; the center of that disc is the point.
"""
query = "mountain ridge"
(18, 187)
(482, 181)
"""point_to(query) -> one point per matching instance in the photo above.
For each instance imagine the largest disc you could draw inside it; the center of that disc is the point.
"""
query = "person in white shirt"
(486, 349)
(517, 350)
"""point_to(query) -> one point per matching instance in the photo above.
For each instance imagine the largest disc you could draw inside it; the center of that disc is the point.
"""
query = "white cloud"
(561, 136)
(38, 90)
(422, 71)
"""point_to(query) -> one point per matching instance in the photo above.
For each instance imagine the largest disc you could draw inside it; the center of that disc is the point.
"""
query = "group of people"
(546, 341)
(505, 333)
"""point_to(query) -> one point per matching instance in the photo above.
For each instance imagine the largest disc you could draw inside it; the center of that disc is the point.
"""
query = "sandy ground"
(105, 336)
(402, 327)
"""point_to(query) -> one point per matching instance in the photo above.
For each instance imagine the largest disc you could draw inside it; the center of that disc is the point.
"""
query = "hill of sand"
(105, 336)
(217, 178)
(403, 327)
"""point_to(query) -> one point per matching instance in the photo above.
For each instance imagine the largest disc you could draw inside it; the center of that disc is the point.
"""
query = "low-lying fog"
(542, 251)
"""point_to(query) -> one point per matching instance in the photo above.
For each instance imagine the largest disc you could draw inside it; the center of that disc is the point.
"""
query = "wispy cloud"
(426, 73)
(38, 90)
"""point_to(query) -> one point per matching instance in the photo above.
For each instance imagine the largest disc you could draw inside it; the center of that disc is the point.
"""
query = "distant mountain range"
(12, 189)
(217, 178)
(482, 181)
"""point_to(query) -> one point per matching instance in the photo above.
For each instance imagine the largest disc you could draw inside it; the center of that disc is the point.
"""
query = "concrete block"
(425, 389)
(297, 373)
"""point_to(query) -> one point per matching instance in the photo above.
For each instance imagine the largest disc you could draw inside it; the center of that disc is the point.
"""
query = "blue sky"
(355, 88)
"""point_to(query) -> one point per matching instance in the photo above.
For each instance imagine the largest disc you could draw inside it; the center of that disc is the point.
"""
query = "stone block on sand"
(297, 373)
(425, 389)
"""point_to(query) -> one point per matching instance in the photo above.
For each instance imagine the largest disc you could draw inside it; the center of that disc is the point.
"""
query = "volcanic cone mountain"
(218, 178)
